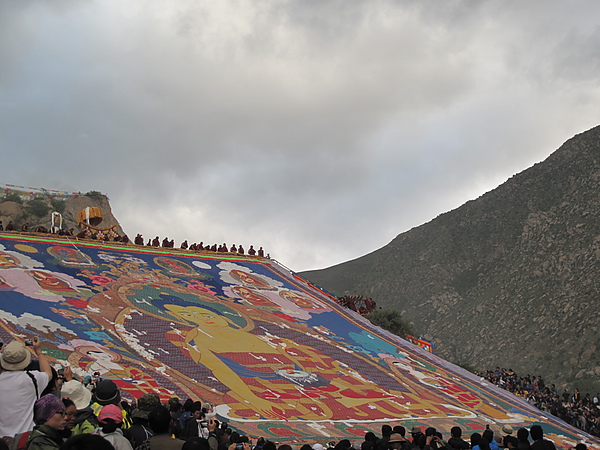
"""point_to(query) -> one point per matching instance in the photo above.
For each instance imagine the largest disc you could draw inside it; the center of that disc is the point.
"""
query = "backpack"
(144, 445)
(175, 427)
(18, 442)
(183, 419)
(87, 425)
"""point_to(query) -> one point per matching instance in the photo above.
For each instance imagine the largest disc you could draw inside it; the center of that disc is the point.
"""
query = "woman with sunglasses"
(49, 414)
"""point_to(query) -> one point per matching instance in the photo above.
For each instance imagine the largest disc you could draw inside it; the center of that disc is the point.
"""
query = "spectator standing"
(523, 437)
(369, 442)
(197, 443)
(107, 393)
(456, 442)
(488, 435)
(87, 442)
(539, 443)
(506, 431)
(50, 418)
(396, 441)
(194, 425)
(475, 439)
(110, 419)
(85, 419)
(187, 413)
(140, 431)
(382, 443)
(176, 411)
(71, 414)
(19, 389)
(160, 422)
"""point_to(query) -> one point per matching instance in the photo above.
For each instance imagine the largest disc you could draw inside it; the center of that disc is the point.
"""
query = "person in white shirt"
(19, 389)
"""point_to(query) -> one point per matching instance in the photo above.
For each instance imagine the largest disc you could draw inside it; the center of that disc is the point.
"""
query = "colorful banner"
(277, 357)
(33, 190)
(425, 345)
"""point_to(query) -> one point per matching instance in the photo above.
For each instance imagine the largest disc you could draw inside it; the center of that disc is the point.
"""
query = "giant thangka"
(277, 357)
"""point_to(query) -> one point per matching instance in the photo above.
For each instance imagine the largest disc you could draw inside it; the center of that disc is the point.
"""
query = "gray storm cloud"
(317, 129)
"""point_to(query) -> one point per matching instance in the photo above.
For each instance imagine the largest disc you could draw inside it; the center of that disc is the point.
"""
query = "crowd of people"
(580, 411)
(110, 235)
(223, 248)
(10, 226)
(42, 409)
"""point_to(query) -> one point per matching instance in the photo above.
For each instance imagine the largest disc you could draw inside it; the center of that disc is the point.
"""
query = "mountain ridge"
(530, 245)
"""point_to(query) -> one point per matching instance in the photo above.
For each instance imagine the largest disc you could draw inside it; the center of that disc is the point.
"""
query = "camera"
(204, 424)
(430, 431)
(28, 342)
(240, 441)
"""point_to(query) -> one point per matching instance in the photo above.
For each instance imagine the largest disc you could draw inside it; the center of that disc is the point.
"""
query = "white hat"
(15, 356)
(76, 392)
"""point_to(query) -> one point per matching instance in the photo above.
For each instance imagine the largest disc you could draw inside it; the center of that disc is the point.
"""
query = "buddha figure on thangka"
(260, 374)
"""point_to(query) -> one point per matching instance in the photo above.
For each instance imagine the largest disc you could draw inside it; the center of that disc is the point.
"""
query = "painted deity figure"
(253, 298)
(279, 379)
(8, 261)
(250, 280)
(175, 267)
(300, 301)
(70, 257)
(49, 282)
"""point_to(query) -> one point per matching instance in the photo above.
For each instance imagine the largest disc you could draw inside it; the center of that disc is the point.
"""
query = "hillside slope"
(35, 206)
(275, 356)
(509, 279)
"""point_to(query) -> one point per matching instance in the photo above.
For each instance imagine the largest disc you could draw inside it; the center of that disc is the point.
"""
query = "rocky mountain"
(510, 279)
(35, 207)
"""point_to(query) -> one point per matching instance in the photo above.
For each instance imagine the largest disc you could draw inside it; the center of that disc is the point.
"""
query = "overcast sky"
(317, 129)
